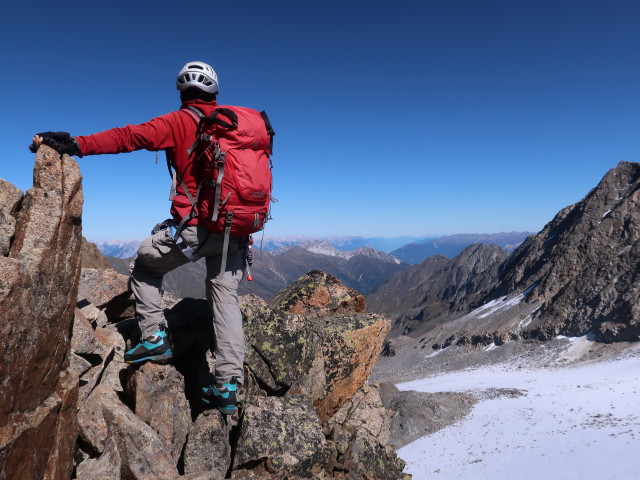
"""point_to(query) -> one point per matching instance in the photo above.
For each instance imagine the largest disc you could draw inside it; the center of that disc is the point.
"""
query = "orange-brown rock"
(351, 345)
(317, 294)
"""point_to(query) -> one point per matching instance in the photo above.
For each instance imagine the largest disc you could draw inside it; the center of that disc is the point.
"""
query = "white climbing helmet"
(199, 75)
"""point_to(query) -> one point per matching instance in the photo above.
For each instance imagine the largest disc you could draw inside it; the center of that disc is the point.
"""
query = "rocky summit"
(305, 374)
(74, 409)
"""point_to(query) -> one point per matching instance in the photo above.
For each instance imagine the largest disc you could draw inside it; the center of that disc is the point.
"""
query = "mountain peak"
(583, 266)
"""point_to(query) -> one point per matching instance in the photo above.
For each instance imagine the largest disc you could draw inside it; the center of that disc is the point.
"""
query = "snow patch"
(437, 352)
(624, 250)
(499, 304)
(580, 423)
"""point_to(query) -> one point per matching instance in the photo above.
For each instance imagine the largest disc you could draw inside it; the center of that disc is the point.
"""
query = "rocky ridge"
(306, 411)
(577, 277)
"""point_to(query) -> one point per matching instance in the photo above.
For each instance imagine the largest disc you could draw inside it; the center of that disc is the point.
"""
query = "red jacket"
(174, 132)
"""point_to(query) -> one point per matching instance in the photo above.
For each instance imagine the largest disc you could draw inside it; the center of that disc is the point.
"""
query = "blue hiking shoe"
(155, 348)
(224, 396)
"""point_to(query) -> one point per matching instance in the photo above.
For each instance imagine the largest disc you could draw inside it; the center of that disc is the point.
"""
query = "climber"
(164, 251)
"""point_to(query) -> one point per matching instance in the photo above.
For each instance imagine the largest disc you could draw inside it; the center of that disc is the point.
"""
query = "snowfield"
(572, 423)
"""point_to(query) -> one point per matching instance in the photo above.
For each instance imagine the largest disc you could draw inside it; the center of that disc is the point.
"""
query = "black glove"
(61, 142)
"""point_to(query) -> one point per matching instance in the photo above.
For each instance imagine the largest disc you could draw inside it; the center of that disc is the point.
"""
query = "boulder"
(317, 294)
(128, 447)
(108, 290)
(157, 396)
(416, 414)
(281, 348)
(38, 291)
(326, 353)
(208, 448)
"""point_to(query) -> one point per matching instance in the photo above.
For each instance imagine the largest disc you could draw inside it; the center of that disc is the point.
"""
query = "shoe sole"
(164, 358)
(223, 410)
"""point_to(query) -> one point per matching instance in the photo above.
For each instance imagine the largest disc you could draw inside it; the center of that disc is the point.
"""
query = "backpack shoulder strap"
(196, 115)
(194, 112)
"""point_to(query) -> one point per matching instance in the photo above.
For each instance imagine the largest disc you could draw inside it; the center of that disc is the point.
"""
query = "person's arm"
(156, 134)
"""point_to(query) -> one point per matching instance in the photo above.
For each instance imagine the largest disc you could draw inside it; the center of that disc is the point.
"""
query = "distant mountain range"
(281, 261)
(410, 250)
(127, 248)
(451, 245)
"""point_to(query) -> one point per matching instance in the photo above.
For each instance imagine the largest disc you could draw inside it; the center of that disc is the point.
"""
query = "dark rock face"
(404, 289)
(417, 414)
(579, 275)
(584, 266)
(439, 288)
(38, 291)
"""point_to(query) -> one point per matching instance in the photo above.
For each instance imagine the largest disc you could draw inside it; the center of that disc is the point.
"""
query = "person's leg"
(156, 256)
(222, 294)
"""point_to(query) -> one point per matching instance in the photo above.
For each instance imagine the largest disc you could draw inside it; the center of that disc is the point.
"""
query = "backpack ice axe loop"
(225, 243)
(216, 205)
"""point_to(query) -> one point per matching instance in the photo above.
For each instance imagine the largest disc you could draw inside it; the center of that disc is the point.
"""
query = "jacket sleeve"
(156, 134)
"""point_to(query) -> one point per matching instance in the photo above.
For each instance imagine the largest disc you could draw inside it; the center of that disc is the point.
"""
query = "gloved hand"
(162, 226)
(61, 142)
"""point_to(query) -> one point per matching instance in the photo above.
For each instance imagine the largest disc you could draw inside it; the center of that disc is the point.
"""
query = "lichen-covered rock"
(326, 357)
(292, 363)
(317, 294)
(38, 291)
(281, 348)
(359, 432)
(351, 345)
(284, 435)
(208, 448)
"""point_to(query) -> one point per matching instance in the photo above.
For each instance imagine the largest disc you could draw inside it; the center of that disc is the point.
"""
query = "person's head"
(197, 80)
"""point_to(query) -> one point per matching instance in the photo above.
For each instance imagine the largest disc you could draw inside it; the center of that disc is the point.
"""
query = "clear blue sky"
(392, 118)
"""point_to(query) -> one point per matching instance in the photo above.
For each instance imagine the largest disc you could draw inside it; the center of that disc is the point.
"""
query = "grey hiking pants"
(159, 254)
